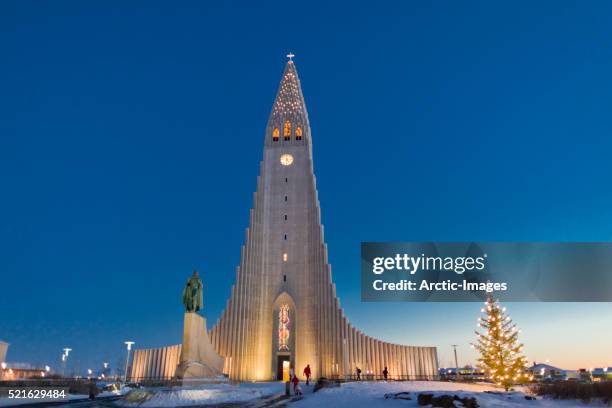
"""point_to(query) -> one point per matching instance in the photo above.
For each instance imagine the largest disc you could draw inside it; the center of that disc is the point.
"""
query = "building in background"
(542, 372)
(22, 371)
(601, 374)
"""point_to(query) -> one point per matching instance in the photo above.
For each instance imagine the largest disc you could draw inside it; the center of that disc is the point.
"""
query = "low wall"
(155, 364)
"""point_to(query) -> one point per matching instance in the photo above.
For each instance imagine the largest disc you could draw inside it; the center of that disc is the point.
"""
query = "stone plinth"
(198, 357)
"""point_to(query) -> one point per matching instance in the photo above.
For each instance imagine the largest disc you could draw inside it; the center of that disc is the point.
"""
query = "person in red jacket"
(307, 374)
(296, 387)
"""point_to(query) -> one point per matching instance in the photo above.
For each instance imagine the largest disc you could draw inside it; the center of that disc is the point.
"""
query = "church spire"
(288, 122)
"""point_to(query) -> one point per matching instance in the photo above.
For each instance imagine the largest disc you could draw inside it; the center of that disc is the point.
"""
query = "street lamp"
(127, 359)
(454, 346)
(65, 360)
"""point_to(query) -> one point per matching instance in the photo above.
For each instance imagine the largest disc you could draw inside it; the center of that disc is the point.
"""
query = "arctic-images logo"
(413, 264)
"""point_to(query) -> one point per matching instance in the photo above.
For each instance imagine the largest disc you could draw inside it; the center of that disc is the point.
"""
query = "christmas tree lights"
(501, 356)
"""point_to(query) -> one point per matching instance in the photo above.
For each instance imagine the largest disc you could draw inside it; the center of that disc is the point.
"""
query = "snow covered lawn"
(204, 394)
(371, 395)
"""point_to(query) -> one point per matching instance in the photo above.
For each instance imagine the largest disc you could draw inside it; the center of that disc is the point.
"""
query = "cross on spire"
(290, 56)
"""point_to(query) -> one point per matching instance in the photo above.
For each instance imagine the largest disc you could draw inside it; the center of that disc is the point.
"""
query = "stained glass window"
(283, 328)
(287, 130)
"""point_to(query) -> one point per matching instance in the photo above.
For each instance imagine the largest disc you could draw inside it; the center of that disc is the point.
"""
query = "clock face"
(286, 159)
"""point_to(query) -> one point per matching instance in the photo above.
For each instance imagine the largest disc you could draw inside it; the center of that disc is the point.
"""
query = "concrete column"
(405, 370)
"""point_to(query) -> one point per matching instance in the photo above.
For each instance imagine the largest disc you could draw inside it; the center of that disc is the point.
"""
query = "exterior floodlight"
(127, 359)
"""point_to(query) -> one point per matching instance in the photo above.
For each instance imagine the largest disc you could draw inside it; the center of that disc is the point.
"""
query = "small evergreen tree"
(501, 356)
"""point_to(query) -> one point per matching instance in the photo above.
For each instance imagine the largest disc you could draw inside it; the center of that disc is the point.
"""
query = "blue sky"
(130, 137)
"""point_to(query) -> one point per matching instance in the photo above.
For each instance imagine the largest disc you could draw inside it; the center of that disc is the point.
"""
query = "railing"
(463, 378)
(381, 377)
(173, 381)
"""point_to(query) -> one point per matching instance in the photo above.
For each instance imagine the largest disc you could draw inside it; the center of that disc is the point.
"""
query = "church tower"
(283, 311)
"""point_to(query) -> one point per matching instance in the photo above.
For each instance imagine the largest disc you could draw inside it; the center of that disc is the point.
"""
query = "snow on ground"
(115, 393)
(371, 395)
(6, 402)
(203, 394)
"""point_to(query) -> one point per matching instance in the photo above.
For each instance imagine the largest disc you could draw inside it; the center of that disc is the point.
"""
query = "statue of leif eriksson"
(192, 294)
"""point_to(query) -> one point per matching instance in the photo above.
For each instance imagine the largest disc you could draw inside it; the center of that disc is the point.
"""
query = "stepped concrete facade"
(283, 311)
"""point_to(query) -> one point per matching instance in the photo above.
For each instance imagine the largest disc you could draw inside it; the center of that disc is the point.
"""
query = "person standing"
(92, 389)
(307, 373)
(385, 373)
(295, 382)
(358, 374)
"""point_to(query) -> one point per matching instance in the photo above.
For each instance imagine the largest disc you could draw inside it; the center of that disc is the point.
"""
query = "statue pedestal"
(198, 357)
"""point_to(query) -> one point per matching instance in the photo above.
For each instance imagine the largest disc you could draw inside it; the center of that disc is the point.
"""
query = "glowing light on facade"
(287, 129)
(283, 328)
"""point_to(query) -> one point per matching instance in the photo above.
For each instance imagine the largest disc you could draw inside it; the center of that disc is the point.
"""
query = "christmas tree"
(499, 348)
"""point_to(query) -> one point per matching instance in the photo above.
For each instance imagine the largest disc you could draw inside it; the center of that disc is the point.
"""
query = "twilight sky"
(130, 138)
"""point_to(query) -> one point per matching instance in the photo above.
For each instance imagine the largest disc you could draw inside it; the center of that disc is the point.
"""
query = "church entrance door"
(283, 367)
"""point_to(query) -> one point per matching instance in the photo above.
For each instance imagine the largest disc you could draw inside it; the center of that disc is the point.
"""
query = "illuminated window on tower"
(298, 133)
(287, 130)
(283, 328)
(275, 134)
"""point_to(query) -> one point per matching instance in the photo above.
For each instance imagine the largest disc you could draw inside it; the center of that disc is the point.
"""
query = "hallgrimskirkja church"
(283, 311)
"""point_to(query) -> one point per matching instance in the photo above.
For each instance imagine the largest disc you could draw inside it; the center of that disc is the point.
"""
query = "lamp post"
(65, 360)
(456, 361)
(127, 359)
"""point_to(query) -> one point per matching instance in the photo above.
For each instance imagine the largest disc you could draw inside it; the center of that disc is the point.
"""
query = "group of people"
(307, 373)
(296, 381)
(385, 373)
